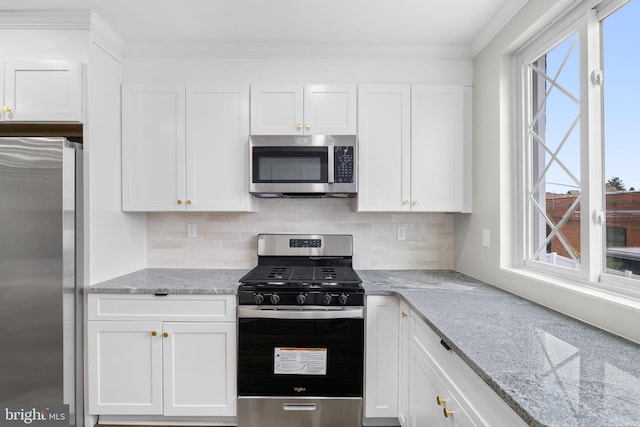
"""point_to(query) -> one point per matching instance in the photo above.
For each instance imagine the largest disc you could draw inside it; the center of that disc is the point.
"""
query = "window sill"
(603, 308)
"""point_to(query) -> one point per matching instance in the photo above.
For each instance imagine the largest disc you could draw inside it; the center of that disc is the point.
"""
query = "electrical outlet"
(486, 238)
(191, 231)
(401, 233)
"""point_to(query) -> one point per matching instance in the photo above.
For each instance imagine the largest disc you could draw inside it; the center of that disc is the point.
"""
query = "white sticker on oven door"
(300, 361)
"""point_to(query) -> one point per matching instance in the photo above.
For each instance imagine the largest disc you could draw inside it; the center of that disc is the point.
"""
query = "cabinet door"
(153, 148)
(423, 390)
(42, 91)
(125, 367)
(432, 403)
(217, 148)
(384, 148)
(330, 109)
(276, 109)
(437, 157)
(200, 369)
(403, 364)
(381, 377)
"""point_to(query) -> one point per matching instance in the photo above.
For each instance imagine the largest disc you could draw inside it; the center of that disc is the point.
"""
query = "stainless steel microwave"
(303, 166)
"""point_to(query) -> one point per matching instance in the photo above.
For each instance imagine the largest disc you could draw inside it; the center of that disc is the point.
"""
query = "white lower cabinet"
(125, 367)
(156, 358)
(403, 362)
(453, 386)
(433, 386)
(199, 368)
(381, 377)
(431, 403)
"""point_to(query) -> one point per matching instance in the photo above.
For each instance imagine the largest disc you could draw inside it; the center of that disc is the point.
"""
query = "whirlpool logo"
(41, 416)
(299, 389)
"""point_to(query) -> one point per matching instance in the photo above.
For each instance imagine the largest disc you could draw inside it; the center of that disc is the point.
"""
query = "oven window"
(323, 357)
(290, 164)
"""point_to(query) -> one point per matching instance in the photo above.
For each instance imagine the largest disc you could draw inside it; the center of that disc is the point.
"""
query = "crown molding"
(101, 33)
(507, 11)
(45, 19)
(105, 37)
(251, 50)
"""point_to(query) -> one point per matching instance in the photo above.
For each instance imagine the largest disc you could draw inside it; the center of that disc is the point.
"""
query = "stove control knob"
(326, 299)
(275, 298)
(259, 298)
(343, 299)
(300, 299)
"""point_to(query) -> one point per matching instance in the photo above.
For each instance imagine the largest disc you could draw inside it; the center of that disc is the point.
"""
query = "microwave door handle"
(330, 165)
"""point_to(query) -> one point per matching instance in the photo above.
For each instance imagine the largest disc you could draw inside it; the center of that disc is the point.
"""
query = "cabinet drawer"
(428, 341)
(433, 396)
(210, 308)
(480, 403)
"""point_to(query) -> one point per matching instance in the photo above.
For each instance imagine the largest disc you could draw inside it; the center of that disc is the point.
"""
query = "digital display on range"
(305, 243)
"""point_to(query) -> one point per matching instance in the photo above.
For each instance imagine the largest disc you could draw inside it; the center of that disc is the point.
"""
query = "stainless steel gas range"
(301, 334)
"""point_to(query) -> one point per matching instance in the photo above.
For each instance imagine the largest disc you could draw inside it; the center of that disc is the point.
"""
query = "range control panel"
(305, 243)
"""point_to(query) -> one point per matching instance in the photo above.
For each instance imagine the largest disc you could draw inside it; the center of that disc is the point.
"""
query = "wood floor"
(124, 425)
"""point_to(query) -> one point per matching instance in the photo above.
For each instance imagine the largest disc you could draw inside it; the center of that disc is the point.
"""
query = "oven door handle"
(300, 406)
(342, 313)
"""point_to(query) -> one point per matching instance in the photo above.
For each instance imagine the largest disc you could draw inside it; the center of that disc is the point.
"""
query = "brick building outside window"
(623, 229)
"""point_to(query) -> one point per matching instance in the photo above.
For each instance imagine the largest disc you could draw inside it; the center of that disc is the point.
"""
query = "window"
(579, 103)
(616, 237)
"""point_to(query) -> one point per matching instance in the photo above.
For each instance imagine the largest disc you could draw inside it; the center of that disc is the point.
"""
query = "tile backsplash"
(228, 240)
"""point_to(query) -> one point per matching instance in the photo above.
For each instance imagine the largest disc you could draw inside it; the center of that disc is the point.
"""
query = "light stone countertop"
(551, 369)
(172, 281)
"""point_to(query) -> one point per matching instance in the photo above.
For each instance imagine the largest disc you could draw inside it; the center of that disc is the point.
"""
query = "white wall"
(43, 44)
(117, 240)
(227, 240)
(295, 70)
(494, 203)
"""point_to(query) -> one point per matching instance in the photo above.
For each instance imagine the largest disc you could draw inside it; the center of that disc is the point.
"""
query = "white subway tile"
(228, 240)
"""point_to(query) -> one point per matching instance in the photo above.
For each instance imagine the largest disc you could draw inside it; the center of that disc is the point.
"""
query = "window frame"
(585, 20)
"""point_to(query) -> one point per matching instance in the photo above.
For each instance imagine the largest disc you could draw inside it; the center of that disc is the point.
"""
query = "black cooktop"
(301, 285)
(301, 275)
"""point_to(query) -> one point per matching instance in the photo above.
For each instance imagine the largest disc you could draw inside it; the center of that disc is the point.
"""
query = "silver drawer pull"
(300, 406)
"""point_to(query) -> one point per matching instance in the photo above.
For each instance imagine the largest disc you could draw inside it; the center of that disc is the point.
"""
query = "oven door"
(299, 367)
(299, 352)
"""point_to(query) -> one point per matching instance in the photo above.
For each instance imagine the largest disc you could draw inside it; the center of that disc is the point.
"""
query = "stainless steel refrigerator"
(40, 299)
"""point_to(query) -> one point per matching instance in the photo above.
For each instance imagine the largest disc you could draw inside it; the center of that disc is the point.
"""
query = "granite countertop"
(172, 281)
(551, 369)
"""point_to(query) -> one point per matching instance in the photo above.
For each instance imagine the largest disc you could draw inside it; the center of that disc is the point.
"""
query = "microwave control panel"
(343, 164)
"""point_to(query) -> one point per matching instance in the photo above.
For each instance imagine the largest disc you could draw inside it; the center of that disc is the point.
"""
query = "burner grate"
(301, 274)
(278, 273)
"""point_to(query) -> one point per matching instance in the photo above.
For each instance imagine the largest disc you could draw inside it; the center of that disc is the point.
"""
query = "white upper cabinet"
(437, 148)
(153, 148)
(292, 109)
(414, 148)
(384, 132)
(41, 91)
(218, 148)
(185, 148)
(276, 109)
(330, 109)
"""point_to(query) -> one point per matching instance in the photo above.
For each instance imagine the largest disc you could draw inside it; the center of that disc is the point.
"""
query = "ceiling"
(468, 23)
